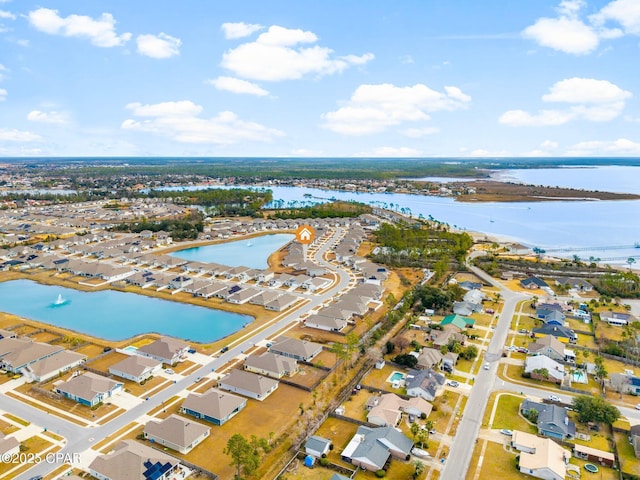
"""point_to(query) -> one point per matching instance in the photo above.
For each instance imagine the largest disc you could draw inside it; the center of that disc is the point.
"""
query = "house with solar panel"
(131, 459)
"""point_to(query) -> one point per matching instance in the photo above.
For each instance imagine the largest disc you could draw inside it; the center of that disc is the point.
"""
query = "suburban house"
(136, 368)
(270, 364)
(457, 321)
(575, 284)
(426, 383)
(619, 319)
(386, 410)
(532, 283)
(634, 436)
(625, 383)
(548, 346)
(301, 350)
(449, 334)
(325, 322)
(429, 357)
(131, 459)
(214, 406)
(281, 303)
(594, 455)
(552, 420)
(177, 433)
(88, 389)
(551, 316)
(18, 353)
(317, 446)
(564, 334)
(8, 445)
(166, 350)
(533, 365)
(248, 384)
(50, 367)
(540, 457)
(370, 448)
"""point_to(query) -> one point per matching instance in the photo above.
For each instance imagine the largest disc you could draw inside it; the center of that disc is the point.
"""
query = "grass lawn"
(444, 406)
(17, 419)
(7, 428)
(278, 413)
(92, 350)
(507, 414)
(628, 462)
(141, 390)
(31, 446)
(498, 463)
(464, 365)
(340, 434)
(107, 361)
(473, 465)
(355, 405)
(603, 473)
(598, 440)
(378, 378)
(44, 337)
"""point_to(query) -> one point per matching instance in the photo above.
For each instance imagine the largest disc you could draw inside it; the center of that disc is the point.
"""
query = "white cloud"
(621, 146)
(374, 108)
(184, 108)
(419, 132)
(100, 32)
(179, 121)
(7, 15)
(625, 12)
(158, 46)
(570, 34)
(590, 99)
(237, 85)
(239, 29)
(406, 59)
(565, 34)
(304, 152)
(391, 152)
(3, 94)
(481, 152)
(3, 70)
(549, 145)
(585, 90)
(277, 55)
(58, 118)
(14, 135)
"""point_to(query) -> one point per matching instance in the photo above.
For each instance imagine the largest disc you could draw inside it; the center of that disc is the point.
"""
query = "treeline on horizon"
(78, 170)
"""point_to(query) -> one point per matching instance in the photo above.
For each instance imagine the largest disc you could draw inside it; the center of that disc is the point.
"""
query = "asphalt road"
(80, 439)
(457, 463)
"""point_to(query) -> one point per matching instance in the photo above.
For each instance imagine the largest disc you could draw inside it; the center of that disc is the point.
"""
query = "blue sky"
(417, 78)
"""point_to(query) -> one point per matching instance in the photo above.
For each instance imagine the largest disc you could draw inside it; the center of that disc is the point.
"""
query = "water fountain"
(60, 301)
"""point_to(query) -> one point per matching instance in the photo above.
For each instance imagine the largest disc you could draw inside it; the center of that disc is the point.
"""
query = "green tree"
(595, 409)
(469, 352)
(601, 370)
(543, 373)
(243, 455)
(352, 344)
(418, 469)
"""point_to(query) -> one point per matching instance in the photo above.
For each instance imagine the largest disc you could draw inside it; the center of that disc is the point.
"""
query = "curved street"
(79, 439)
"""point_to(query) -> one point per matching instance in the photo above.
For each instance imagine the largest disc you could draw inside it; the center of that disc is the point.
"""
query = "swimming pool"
(396, 377)
(579, 377)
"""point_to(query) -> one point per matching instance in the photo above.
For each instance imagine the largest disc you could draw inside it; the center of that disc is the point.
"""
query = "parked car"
(487, 366)
(638, 406)
(555, 398)
(506, 431)
(224, 350)
(453, 383)
(169, 371)
(412, 418)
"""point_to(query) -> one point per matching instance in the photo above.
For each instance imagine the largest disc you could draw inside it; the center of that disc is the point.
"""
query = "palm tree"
(630, 261)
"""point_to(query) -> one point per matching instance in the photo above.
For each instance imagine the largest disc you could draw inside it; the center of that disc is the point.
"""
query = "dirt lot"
(107, 361)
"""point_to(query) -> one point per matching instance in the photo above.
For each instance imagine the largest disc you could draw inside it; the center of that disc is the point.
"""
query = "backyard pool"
(396, 377)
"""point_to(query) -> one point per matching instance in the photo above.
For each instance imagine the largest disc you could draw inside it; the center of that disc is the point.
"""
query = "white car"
(555, 398)
(487, 366)
(638, 406)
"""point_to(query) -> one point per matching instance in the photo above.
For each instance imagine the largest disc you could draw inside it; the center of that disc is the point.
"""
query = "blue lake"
(252, 253)
(116, 315)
